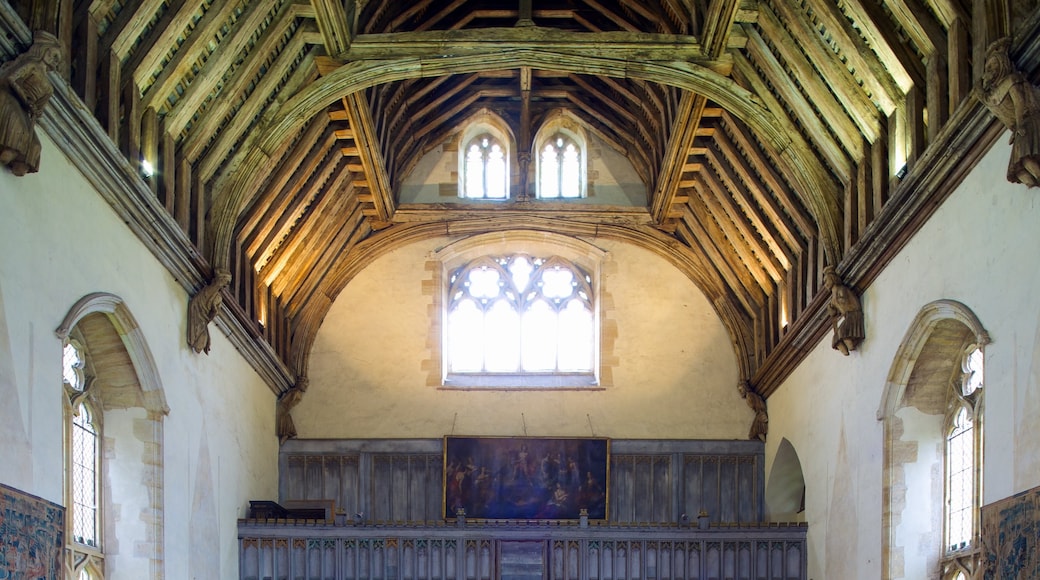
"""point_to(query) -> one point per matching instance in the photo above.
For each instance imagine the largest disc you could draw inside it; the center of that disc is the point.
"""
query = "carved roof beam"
(775, 215)
(779, 185)
(862, 109)
(501, 14)
(204, 84)
(818, 119)
(775, 254)
(621, 110)
(151, 51)
(242, 80)
(632, 149)
(824, 142)
(758, 259)
(371, 157)
(231, 135)
(321, 191)
(903, 63)
(916, 19)
(432, 20)
(620, 21)
(405, 15)
(717, 26)
(868, 68)
(622, 45)
(814, 78)
(339, 205)
(457, 86)
(462, 105)
(351, 231)
(681, 136)
(122, 31)
(820, 52)
(279, 217)
(713, 240)
(640, 8)
(334, 21)
(255, 222)
(949, 11)
(195, 45)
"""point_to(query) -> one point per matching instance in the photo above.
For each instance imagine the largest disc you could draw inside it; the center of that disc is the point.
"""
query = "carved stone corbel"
(845, 313)
(760, 424)
(1016, 102)
(203, 308)
(285, 426)
(25, 91)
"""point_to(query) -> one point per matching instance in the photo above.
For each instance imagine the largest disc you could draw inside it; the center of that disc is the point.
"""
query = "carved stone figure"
(760, 424)
(1016, 102)
(846, 313)
(203, 308)
(285, 426)
(24, 92)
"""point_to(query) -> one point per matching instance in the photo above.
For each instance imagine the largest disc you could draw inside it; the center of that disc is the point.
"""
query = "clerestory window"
(560, 168)
(520, 320)
(485, 169)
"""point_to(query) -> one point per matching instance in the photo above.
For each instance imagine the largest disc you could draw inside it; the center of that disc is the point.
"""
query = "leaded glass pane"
(72, 365)
(84, 478)
(960, 483)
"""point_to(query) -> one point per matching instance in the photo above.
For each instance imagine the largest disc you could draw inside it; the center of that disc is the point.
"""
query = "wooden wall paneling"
(643, 489)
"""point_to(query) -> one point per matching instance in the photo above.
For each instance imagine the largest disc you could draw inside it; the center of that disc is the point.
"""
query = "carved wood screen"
(650, 481)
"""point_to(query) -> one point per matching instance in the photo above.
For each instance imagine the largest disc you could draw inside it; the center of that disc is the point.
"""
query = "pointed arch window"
(485, 168)
(962, 455)
(561, 167)
(83, 465)
(520, 316)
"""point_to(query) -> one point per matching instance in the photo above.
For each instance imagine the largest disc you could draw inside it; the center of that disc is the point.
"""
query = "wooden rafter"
(371, 158)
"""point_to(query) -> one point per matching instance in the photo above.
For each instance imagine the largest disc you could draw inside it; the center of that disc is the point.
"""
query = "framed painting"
(504, 478)
(32, 536)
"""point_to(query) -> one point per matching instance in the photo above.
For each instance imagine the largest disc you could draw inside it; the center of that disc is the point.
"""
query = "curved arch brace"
(356, 76)
(738, 324)
(123, 321)
(914, 342)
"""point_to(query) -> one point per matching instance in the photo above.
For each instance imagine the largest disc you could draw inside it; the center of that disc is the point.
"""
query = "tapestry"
(1009, 537)
(32, 537)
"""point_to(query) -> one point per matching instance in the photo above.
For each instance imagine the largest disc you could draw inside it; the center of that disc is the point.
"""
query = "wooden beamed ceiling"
(768, 133)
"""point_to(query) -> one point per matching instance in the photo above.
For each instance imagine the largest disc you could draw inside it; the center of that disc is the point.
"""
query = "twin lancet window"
(560, 168)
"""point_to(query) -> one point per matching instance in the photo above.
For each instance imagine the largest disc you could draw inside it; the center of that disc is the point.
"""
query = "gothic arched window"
(83, 465)
(485, 168)
(520, 315)
(560, 168)
(962, 467)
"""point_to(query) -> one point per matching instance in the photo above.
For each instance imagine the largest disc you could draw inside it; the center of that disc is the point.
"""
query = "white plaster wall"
(676, 375)
(61, 241)
(979, 248)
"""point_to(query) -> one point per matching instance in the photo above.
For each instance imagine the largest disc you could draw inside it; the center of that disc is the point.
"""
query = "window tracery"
(486, 168)
(560, 168)
(962, 459)
(520, 314)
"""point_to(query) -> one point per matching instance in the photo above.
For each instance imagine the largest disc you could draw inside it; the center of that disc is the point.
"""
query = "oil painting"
(526, 478)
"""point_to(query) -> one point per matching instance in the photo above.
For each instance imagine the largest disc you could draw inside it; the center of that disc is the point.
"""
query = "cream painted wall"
(980, 248)
(370, 364)
(61, 241)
